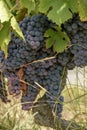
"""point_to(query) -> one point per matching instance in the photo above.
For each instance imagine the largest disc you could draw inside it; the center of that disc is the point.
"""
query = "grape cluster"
(48, 74)
(77, 32)
(20, 52)
(40, 65)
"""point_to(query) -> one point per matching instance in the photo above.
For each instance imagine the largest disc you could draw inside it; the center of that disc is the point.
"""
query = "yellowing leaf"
(82, 5)
(16, 27)
(21, 76)
(4, 12)
(29, 4)
(58, 39)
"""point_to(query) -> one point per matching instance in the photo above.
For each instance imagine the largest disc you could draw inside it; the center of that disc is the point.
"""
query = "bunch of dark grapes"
(3, 91)
(20, 52)
(77, 32)
(40, 65)
(47, 74)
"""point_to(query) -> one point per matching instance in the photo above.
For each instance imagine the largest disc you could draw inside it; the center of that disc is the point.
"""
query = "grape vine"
(41, 65)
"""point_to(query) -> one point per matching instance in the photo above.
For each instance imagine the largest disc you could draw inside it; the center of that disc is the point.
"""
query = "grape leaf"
(29, 4)
(58, 10)
(4, 12)
(58, 39)
(82, 7)
(16, 27)
(5, 36)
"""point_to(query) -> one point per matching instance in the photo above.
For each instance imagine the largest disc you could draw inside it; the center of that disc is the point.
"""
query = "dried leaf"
(21, 76)
(20, 73)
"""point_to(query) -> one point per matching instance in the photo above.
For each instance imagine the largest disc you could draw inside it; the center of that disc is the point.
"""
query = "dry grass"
(13, 118)
(75, 108)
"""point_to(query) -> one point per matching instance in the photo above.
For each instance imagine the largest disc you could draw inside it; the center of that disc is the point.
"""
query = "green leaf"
(82, 5)
(4, 12)
(49, 43)
(58, 10)
(45, 5)
(72, 5)
(58, 39)
(29, 4)
(16, 27)
(5, 36)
